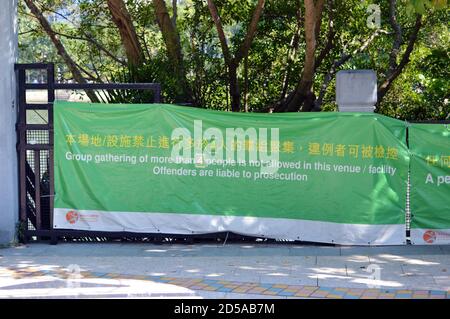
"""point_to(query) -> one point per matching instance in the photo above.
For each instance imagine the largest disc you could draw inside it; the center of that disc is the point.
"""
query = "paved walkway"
(232, 271)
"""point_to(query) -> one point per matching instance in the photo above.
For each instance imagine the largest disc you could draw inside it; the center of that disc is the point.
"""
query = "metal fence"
(35, 154)
(408, 213)
(35, 147)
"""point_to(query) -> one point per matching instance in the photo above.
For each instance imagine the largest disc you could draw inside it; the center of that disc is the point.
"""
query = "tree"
(122, 19)
(395, 68)
(171, 38)
(232, 61)
(60, 47)
(251, 55)
(303, 94)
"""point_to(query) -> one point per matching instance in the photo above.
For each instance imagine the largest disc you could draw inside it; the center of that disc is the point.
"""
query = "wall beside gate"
(8, 110)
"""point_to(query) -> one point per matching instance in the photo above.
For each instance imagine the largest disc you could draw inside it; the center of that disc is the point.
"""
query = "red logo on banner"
(429, 236)
(72, 216)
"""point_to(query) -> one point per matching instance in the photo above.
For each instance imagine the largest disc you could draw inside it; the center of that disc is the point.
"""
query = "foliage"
(276, 56)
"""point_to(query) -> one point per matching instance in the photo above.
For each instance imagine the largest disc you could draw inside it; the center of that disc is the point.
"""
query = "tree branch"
(218, 23)
(302, 94)
(122, 19)
(232, 63)
(173, 45)
(293, 46)
(330, 37)
(319, 12)
(393, 74)
(94, 42)
(174, 13)
(245, 46)
(60, 47)
(89, 75)
(338, 63)
(397, 34)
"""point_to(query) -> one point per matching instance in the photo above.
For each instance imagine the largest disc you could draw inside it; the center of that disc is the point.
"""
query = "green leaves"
(420, 6)
(439, 4)
(276, 57)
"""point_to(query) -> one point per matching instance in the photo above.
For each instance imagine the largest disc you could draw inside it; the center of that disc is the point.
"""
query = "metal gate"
(35, 149)
(35, 154)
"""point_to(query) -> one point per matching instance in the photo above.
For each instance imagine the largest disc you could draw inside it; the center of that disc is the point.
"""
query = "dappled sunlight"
(326, 276)
(189, 265)
(377, 283)
(351, 272)
(249, 268)
(192, 270)
(215, 275)
(156, 250)
(363, 279)
(328, 270)
(43, 267)
(157, 274)
(53, 287)
(406, 260)
(277, 274)
(357, 259)
(249, 220)
(26, 279)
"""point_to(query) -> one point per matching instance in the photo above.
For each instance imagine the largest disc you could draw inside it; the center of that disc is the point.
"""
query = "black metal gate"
(35, 149)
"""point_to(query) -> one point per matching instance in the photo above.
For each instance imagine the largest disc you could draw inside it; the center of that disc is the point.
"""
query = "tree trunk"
(234, 88)
(173, 45)
(246, 89)
(330, 36)
(251, 31)
(303, 92)
(122, 19)
(291, 52)
(76, 73)
(397, 35)
(233, 62)
(220, 32)
(174, 13)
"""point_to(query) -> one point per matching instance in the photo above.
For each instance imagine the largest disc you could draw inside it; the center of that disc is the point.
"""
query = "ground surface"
(217, 271)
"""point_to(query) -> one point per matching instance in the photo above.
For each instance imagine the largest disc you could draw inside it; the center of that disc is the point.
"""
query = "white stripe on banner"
(188, 224)
(430, 236)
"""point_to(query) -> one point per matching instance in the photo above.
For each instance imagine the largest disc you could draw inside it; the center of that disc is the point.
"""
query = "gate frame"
(22, 147)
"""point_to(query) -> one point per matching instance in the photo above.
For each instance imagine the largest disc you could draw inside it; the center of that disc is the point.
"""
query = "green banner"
(324, 177)
(430, 183)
